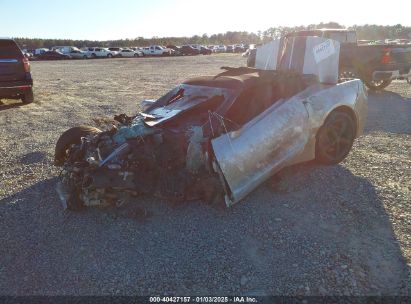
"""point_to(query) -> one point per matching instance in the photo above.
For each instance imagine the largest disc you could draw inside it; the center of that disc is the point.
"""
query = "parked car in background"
(196, 46)
(176, 49)
(115, 49)
(238, 48)
(15, 76)
(95, 52)
(53, 55)
(138, 49)
(229, 48)
(158, 50)
(205, 51)
(146, 51)
(404, 41)
(78, 54)
(220, 48)
(189, 50)
(28, 54)
(390, 41)
(72, 51)
(129, 53)
(364, 42)
(40, 51)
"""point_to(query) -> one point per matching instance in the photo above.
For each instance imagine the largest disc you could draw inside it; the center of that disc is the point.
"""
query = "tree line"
(369, 32)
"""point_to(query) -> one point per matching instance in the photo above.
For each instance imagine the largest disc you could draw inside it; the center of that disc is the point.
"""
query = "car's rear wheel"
(110, 56)
(28, 97)
(335, 138)
(71, 137)
(377, 84)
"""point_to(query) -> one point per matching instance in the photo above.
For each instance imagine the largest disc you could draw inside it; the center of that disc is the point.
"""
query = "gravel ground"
(340, 230)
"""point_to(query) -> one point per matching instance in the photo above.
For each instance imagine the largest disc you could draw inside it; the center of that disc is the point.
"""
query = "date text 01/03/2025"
(238, 299)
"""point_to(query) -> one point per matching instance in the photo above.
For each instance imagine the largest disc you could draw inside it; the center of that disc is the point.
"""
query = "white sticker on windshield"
(323, 50)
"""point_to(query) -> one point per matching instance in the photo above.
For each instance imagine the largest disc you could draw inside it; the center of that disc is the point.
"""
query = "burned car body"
(215, 137)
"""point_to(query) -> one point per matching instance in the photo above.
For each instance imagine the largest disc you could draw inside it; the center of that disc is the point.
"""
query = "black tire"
(377, 85)
(93, 56)
(28, 97)
(136, 55)
(85, 57)
(71, 137)
(110, 56)
(335, 138)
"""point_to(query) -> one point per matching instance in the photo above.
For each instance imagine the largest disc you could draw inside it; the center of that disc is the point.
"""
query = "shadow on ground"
(316, 230)
(389, 112)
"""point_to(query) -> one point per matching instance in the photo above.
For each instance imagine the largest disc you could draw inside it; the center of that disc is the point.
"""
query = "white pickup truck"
(94, 52)
(157, 50)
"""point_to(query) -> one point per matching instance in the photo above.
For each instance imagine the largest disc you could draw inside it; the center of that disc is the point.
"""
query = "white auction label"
(323, 50)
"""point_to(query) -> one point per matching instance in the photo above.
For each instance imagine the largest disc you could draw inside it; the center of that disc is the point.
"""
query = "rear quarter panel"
(325, 99)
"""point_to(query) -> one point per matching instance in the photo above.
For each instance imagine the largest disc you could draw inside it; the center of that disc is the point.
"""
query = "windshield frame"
(171, 104)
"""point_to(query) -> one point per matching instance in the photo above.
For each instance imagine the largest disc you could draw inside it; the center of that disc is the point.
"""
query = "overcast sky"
(115, 19)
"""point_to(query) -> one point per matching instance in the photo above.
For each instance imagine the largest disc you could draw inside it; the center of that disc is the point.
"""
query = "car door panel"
(261, 147)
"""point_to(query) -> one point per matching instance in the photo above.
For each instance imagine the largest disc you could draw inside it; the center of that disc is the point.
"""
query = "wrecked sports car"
(218, 138)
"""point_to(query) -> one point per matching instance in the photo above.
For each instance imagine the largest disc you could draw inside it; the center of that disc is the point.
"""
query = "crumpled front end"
(134, 159)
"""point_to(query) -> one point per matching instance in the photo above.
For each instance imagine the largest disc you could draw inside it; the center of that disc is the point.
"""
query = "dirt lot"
(335, 230)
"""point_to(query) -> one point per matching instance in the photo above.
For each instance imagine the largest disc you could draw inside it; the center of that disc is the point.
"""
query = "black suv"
(15, 77)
